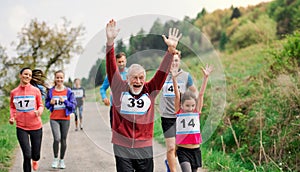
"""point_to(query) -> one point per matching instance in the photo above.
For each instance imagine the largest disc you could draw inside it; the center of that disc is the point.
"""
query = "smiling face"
(25, 76)
(188, 101)
(121, 63)
(188, 105)
(175, 62)
(136, 78)
(59, 78)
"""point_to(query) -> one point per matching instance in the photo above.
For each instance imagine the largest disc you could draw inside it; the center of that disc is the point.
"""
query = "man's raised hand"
(111, 32)
(172, 40)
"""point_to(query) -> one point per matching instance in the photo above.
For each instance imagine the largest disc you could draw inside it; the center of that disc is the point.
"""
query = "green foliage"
(292, 46)
(158, 133)
(120, 46)
(45, 47)
(263, 107)
(286, 14)
(96, 75)
(41, 47)
(287, 59)
(249, 33)
(223, 41)
(8, 142)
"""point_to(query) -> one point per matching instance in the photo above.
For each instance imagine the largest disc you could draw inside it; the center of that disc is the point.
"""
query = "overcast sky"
(94, 14)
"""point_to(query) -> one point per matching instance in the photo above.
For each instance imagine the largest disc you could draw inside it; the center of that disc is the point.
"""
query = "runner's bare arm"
(208, 69)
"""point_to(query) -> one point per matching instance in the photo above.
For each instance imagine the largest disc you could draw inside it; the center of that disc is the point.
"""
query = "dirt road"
(88, 150)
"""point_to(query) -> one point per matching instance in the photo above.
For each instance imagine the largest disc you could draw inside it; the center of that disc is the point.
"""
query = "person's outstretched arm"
(208, 69)
(103, 89)
(175, 73)
(160, 76)
(112, 70)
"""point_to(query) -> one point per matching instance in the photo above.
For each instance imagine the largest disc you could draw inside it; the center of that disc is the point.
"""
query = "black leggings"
(32, 149)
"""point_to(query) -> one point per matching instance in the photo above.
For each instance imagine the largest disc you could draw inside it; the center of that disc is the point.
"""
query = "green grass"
(8, 142)
(8, 138)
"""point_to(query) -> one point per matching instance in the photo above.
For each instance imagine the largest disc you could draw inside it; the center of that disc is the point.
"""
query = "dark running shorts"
(193, 156)
(133, 159)
(169, 127)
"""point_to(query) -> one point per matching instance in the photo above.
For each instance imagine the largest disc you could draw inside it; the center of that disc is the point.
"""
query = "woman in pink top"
(188, 137)
(26, 107)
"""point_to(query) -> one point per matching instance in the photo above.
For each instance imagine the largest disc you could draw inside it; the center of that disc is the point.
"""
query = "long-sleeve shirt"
(105, 85)
(24, 100)
(61, 110)
(133, 115)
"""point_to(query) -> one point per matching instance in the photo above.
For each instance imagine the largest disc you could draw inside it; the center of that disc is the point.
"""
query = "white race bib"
(24, 103)
(187, 123)
(130, 105)
(58, 104)
(78, 93)
(168, 88)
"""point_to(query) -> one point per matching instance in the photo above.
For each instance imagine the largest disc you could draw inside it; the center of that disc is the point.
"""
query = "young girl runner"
(26, 107)
(61, 102)
(188, 137)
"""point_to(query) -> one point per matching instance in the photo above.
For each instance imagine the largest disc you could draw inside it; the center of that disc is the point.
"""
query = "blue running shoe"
(167, 165)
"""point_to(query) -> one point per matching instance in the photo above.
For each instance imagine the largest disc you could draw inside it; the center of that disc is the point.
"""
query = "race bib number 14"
(187, 123)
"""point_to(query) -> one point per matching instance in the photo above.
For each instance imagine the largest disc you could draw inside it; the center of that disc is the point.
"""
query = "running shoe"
(62, 164)
(55, 163)
(167, 165)
(35, 165)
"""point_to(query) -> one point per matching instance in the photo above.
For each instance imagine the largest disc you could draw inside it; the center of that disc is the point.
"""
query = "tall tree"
(5, 73)
(223, 41)
(235, 13)
(47, 48)
(121, 47)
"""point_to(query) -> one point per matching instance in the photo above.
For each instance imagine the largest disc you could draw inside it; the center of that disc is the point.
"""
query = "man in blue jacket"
(121, 63)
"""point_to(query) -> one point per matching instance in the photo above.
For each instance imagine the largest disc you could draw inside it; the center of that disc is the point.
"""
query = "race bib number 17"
(24, 103)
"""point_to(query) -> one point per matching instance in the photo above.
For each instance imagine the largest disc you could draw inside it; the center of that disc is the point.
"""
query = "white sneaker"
(81, 126)
(55, 163)
(62, 164)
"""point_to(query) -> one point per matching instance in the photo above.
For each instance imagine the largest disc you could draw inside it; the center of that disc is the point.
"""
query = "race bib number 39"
(187, 123)
(131, 106)
(24, 103)
(59, 104)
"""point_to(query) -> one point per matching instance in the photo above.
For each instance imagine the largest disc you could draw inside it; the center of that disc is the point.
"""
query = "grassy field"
(8, 138)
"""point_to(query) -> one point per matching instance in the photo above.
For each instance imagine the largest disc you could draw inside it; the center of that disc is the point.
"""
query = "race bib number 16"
(59, 104)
